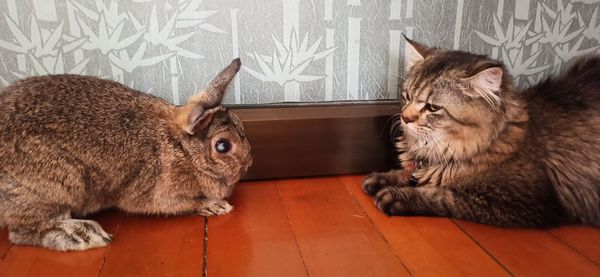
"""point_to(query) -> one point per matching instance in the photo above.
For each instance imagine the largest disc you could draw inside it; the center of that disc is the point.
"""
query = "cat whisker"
(393, 127)
(438, 146)
(394, 131)
(452, 156)
(490, 97)
(441, 149)
(397, 74)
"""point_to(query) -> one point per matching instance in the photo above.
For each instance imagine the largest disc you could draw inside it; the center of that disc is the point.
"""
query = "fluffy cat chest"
(422, 173)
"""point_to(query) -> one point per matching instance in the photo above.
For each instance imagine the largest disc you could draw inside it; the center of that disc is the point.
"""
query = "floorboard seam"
(6, 252)
(573, 248)
(205, 249)
(374, 225)
(108, 248)
(292, 228)
(103, 261)
(483, 248)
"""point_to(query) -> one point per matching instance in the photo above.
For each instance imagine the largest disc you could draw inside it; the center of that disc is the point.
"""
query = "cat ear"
(198, 112)
(416, 52)
(487, 83)
(489, 79)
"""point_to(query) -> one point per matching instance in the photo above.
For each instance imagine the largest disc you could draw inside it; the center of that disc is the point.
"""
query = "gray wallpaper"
(292, 50)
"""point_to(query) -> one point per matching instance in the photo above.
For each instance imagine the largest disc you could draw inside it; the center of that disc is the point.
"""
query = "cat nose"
(408, 119)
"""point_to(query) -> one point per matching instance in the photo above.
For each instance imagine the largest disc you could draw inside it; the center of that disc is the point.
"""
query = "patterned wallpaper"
(292, 50)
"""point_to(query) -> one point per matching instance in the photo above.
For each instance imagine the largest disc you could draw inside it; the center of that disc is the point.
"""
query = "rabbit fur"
(73, 145)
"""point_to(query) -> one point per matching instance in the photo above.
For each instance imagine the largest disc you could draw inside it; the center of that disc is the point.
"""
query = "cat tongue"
(409, 168)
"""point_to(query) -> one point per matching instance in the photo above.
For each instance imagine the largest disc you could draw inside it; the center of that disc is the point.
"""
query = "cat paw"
(389, 201)
(74, 234)
(375, 182)
(215, 207)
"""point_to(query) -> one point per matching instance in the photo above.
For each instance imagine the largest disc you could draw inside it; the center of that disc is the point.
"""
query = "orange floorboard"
(312, 227)
(4, 243)
(585, 240)
(531, 252)
(335, 237)
(428, 246)
(149, 246)
(256, 239)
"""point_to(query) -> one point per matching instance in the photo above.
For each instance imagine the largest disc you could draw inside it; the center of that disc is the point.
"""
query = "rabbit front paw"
(215, 207)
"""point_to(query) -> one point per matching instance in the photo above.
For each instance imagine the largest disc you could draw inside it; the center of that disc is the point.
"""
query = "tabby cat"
(474, 148)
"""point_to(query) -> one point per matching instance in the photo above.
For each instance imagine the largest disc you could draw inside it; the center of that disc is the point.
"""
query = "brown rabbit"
(73, 145)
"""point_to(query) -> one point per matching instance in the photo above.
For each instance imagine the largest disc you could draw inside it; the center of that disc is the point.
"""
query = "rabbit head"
(215, 136)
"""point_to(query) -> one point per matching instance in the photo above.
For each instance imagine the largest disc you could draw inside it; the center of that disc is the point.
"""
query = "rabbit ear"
(216, 88)
(199, 119)
(197, 113)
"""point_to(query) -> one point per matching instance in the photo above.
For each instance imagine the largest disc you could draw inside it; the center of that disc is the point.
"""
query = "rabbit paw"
(66, 235)
(76, 234)
(215, 207)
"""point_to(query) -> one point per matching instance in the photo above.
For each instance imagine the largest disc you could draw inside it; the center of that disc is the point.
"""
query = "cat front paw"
(215, 207)
(375, 182)
(390, 201)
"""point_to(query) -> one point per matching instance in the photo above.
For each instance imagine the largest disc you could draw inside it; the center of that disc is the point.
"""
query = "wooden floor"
(316, 227)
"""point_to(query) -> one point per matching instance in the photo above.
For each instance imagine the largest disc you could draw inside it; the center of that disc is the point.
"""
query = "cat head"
(454, 102)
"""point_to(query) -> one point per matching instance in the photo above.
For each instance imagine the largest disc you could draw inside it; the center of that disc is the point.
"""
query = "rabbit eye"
(223, 146)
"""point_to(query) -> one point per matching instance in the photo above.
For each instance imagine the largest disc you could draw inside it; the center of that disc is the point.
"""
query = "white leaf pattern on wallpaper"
(287, 62)
(353, 59)
(557, 30)
(290, 57)
(593, 27)
(292, 50)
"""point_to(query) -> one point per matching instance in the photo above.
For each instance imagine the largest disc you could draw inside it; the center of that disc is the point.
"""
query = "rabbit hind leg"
(62, 234)
(74, 234)
(34, 219)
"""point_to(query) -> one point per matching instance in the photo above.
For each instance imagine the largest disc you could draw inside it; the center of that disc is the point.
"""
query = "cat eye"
(432, 108)
(223, 146)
